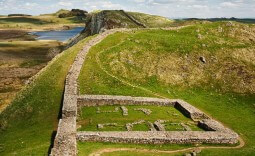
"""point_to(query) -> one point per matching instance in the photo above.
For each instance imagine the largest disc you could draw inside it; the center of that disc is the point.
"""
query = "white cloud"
(102, 4)
(139, 1)
(31, 4)
(66, 4)
(200, 6)
(229, 4)
(168, 8)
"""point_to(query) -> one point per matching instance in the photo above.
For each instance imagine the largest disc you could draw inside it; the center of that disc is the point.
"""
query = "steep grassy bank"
(27, 125)
(209, 65)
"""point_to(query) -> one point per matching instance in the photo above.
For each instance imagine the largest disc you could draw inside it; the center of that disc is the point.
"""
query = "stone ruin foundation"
(215, 131)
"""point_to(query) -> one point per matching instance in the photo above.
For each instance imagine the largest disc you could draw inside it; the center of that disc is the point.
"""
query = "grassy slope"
(27, 124)
(232, 107)
(151, 21)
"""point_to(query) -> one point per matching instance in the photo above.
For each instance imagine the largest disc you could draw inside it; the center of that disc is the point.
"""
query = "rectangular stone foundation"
(215, 131)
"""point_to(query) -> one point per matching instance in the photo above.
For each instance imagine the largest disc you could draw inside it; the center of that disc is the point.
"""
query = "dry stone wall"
(189, 110)
(159, 137)
(65, 140)
(100, 100)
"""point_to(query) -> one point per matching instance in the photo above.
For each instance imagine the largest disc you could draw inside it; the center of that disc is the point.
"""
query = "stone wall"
(189, 110)
(159, 137)
(100, 100)
(65, 140)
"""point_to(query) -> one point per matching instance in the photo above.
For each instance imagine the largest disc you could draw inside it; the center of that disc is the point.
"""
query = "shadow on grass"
(54, 133)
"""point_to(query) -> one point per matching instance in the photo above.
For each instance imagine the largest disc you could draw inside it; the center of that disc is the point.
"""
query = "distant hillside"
(241, 20)
(98, 21)
(11, 15)
(152, 20)
(42, 22)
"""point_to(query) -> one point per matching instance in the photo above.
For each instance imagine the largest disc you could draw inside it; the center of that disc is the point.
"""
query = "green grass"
(85, 148)
(167, 62)
(141, 153)
(27, 125)
(89, 118)
(152, 21)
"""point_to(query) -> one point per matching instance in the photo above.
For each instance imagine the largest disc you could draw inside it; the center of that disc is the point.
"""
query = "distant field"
(241, 20)
(14, 35)
(38, 22)
(20, 60)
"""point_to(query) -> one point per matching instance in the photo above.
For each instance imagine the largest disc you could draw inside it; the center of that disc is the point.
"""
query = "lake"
(62, 35)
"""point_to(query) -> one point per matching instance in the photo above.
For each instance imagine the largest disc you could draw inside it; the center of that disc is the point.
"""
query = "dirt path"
(110, 150)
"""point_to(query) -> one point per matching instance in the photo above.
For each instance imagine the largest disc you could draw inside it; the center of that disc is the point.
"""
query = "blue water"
(62, 35)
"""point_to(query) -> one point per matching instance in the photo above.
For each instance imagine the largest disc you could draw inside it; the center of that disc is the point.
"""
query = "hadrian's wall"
(65, 140)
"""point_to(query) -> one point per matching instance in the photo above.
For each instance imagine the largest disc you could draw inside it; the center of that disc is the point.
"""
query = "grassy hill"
(168, 62)
(152, 21)
(46, 21)
(120, 19)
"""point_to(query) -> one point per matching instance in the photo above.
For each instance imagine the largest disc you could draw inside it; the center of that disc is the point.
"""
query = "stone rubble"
(114, 111)
(186, 127)
(144, 110)
(130, 126)
(152, 128)
(101, 126)
(124, 110)
(159, 125)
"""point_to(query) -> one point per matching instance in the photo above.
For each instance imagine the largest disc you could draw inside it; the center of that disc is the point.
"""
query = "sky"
(167, 8)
